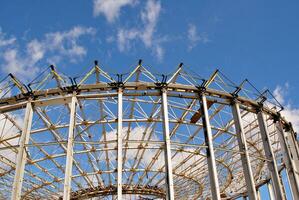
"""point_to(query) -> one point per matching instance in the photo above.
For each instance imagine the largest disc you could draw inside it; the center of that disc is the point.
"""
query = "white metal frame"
(70, 151)
(249, 179)
(215, 190)
(22, 155)
(271, 163)
(167, 148)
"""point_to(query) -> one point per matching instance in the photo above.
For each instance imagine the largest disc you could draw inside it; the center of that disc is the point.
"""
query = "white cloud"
(124, 36)
(66, 43)
(56, 45)
(290, 113)
(110, 8)
(149, 18)
(5, 41)
(194, 37)
(20, 66)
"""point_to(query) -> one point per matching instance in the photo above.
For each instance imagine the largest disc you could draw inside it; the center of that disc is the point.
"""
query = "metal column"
(167, 150)
(69, 153)
(289, 162)
(258, 194)
(271, 163)
(215, 190)
(249, 179)
(22, 156)
(119, 143)
(270, 190)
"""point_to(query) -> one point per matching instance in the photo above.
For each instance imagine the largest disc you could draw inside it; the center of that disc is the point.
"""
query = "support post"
(167, 150)
(270, 190)
(215, 190)
(249, 179)
(271, 163)
(258, 194)
(70, 150)
(119, 143)
(22, 156)
(291, 167)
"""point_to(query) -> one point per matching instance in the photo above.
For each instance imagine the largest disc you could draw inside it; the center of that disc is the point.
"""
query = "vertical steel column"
(289, 162)
(271, 163)
(215, 190)
(119, 142)
(258, 194)
(167, 150)
(244, 149)
(270, 190)
(22, 156)
(70, 150)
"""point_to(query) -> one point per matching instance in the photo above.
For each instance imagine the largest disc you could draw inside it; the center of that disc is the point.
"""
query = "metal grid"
(142, 136)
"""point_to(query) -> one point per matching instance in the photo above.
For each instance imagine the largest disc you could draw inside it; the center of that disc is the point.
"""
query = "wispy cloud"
(67, 43)
(57, 45)
(290, 112)
(4, 41)
(149, 18)
(110, 8)
(195, 37)
(146, 33)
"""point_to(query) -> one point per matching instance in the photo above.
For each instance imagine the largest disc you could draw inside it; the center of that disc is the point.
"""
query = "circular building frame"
(142, 136)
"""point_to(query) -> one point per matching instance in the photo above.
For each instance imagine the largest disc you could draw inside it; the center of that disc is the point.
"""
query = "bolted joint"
(163, 82)
(259, 107)
(276, 117)
(118, 84)
(234, 99)
(201, 90)
(288, 127)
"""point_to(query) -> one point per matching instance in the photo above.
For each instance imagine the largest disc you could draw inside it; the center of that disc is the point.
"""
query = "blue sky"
(251, 39)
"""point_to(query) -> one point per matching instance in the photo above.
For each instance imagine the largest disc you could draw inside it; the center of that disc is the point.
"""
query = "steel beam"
(70, 149)
(119, 143)
(22, 155)
(215, 190)
(249, 179)
(270, 190)
(289, 161)
(167, 150)
(271, 163)
(258, 194)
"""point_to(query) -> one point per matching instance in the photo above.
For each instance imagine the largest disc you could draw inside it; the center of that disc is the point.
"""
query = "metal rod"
(258, 194)
(167, 150)
(249, 179)
(70, 149)
(22, 156)
(270, 190)
(271, 163)
(119, 144)
(288, 160)
(215, 190)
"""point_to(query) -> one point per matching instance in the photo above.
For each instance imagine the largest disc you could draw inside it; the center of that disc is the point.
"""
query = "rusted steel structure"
(142, 136)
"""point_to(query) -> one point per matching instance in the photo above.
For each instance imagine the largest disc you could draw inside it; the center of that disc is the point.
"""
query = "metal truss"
(142, 136)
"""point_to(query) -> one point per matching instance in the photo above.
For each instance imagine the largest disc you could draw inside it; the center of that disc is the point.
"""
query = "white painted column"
(70, 149)
(215, 190)
(289, 162)
(270, 190)
(250, 185)
(22, 156)
(119, 143)
(271, 163)
(258, 194)
(167, 150)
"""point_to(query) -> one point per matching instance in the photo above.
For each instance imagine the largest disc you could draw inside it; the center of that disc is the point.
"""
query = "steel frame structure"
(142, 136)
